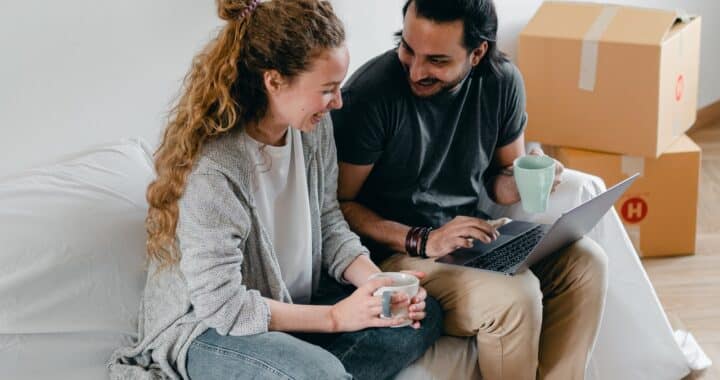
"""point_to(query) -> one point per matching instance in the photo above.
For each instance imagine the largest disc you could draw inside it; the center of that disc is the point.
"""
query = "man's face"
(433, 54)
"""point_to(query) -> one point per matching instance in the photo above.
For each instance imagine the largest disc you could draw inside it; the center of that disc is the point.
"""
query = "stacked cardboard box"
(614, 88)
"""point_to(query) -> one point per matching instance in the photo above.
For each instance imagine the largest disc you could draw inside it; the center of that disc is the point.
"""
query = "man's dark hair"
(479, 24)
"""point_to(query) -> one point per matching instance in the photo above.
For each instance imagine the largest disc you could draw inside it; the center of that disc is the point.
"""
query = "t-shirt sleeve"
(359, 131)
(513, 114)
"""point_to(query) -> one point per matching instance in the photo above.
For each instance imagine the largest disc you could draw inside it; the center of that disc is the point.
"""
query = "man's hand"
(559, 167)
(459, 233)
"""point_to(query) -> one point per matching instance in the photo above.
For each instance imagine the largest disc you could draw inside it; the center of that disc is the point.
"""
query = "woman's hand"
(362, 310)
(416, 311)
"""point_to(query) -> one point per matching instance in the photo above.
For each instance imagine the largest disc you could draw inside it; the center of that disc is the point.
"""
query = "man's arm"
(459, 232)
(503, 188)
(362, 220)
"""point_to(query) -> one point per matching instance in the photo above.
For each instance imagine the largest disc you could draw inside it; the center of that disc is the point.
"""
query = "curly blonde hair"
(225, 88)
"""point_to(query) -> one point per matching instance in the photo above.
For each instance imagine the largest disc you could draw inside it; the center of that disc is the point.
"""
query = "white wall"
(80, 72)
(370, 25)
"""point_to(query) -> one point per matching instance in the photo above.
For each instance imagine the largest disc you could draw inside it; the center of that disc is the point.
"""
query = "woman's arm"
(358, 311)
(358, 272)
(362, 268)
(340, 246)
(300, 318)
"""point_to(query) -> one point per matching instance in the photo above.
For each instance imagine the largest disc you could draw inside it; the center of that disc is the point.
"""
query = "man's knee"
(514, 304)
(588, 261)
(519, 305)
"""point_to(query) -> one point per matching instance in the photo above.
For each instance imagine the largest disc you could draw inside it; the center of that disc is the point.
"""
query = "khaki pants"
(541, 323)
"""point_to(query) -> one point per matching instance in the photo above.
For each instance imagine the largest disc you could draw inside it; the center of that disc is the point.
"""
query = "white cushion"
(72, 258)
(632, 311)
(449, 358)
(72, 273)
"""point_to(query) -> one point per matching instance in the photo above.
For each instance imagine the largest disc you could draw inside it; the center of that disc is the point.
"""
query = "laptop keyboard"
(507, 256)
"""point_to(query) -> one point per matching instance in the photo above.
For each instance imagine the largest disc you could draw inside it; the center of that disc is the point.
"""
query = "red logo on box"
(679, 87)
(634, 210)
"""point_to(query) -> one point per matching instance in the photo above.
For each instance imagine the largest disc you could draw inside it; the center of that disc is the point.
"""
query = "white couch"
(72, 259)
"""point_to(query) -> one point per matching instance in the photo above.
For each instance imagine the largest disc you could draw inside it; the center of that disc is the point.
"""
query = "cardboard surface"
(609, 78)
(659, 210)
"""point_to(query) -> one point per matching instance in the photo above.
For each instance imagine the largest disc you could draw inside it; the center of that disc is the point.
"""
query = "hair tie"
(251, 7)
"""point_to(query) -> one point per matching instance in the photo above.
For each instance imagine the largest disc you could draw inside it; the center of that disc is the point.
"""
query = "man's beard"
(443, 89)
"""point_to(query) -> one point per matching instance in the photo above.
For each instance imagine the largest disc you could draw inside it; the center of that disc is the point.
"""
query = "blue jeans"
(375, 353)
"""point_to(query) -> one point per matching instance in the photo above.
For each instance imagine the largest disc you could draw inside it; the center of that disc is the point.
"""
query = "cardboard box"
(660, 209)
(610, 78)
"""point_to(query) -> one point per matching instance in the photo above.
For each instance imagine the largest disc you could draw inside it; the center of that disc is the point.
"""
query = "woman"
(243, 219)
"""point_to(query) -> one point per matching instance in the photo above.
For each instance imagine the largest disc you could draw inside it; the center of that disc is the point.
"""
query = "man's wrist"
(507, 171)
(416, 241)
(504, 190)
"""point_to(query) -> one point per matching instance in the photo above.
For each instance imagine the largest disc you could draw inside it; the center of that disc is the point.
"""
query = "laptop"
(522, 244)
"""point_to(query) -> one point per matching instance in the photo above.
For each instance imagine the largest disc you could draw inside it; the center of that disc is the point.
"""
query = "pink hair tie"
(251, 7)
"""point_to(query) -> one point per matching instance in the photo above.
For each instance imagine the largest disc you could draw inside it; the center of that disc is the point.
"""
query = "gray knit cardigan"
(228, 263)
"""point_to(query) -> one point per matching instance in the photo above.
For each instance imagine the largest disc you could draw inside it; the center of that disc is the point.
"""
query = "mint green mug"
(534, 176)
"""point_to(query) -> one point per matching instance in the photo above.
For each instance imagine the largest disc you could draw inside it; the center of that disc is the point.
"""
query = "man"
(428, 133)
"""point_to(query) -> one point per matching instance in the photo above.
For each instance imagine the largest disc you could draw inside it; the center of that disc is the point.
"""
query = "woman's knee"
(409, 343)
(316, 363)
(272, 355)
(432, 325)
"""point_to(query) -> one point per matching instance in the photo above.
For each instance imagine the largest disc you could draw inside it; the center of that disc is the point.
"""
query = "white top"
(281, 198)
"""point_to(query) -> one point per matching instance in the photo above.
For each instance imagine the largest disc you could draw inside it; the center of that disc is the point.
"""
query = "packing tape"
(632, 165)
(590, 45)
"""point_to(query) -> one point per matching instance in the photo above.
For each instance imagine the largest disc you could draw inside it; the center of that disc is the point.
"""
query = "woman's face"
(302, 102)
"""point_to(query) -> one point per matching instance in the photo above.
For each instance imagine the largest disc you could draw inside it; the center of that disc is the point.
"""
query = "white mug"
(402, 283)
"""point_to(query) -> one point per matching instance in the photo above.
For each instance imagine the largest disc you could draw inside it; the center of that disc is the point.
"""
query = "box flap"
(680, 22)
(641, 26)
(629, 25)
(562, 20)
(682, 145)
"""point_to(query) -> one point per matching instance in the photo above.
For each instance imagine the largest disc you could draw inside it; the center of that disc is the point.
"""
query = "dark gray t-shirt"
(432, 157)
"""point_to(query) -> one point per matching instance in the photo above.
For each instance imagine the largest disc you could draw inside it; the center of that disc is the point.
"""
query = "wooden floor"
(689, 287)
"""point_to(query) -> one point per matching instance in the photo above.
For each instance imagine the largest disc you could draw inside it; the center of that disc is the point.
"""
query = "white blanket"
(71, 276)
(635, 339)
